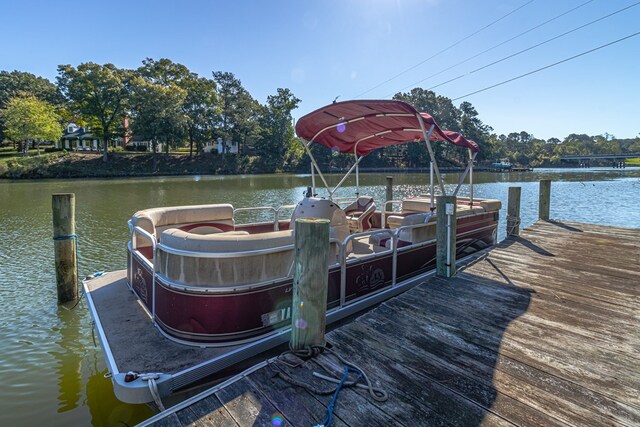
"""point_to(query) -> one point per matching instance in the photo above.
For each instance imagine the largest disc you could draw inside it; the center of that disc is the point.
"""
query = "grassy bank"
(81, 165)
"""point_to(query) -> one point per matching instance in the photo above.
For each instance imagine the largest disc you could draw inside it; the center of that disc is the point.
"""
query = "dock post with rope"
(513, 211)
(65, 245)
(310, 283)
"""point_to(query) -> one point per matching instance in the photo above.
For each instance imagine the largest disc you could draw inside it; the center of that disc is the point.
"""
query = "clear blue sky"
(322, 49)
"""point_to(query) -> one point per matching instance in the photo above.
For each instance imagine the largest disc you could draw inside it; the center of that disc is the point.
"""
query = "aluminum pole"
(431, 187)
(427, 136)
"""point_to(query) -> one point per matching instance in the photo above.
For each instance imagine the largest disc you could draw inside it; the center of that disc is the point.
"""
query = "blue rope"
(329, 418)
(68, 237)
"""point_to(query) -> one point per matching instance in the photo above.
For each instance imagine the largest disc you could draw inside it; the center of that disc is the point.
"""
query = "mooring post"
(446, 236)
(310, 280)
(64, 246)
(389, 195)
(513, 212)
(545, 199)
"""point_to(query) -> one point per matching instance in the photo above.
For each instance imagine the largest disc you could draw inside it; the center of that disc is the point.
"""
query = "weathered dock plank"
(542, 330)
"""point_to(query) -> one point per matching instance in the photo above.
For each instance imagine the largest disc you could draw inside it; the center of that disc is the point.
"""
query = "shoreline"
(72, 165)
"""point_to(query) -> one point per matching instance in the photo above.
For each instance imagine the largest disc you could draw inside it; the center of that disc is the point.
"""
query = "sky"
(361, 49)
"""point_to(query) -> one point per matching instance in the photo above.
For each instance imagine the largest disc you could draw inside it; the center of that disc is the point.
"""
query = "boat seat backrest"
(360, 205)
(359, 214)
(417, 205)
(225, 242)
(227, 269)
(419, 234)
(156, 220)
(424, 204)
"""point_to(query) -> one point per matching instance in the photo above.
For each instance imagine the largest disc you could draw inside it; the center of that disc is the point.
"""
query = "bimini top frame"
(360, 127)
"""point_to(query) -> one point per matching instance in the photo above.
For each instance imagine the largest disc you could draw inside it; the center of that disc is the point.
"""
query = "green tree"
(156, 112)
(445, 114)
(99, 92)
(200, 103)
(277, 136)
(28, 119)
(472, 128)
(18, 83)
(238, 111)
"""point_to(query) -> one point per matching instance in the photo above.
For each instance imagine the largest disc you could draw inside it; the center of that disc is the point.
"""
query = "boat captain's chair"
(360, 213)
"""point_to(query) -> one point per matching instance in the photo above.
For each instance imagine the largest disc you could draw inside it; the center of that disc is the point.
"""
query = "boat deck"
(136, 344)
(541, 330)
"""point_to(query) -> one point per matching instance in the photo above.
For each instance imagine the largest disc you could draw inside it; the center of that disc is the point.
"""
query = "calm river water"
(50, 370)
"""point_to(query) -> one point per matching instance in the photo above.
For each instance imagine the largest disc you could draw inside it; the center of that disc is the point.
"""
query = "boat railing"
(278, 214)
(273, 210)
(152, 238)
(231, 255)
(344, 261)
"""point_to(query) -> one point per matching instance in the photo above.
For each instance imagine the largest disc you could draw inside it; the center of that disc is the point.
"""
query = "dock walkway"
(541, 330)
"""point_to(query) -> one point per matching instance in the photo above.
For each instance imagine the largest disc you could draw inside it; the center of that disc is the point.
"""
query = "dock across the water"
(541, 330)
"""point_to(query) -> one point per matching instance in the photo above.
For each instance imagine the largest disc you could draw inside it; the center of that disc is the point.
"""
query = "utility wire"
(499, 44)
(527, 49)
(445, 49)
(548, 66)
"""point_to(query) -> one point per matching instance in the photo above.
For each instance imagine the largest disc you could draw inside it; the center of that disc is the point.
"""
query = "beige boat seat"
(273, 260)
(412, 207)
(359, 214)
(217, 218)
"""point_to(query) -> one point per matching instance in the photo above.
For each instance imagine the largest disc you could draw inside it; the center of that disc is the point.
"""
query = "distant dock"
(543, 329)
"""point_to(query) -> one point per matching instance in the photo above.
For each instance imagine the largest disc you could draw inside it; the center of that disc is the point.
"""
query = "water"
(51, 371)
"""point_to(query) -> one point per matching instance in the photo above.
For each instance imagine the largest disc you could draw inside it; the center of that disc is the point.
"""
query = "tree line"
(166, 103)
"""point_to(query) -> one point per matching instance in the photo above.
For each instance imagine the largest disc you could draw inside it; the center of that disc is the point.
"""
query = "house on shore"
(228, 146)
(78, 139)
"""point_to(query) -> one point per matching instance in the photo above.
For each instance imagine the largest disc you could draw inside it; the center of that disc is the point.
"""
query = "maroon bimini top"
(375, 123)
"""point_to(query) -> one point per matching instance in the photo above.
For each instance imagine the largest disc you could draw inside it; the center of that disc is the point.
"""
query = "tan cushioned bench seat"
(217, 272)
(225, 242)
(150, 219)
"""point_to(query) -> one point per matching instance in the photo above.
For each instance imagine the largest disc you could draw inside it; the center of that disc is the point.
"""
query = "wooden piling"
(544, 200)
(446, 232)
(64, 219)
(513, 212)
(308, 320)
(389, 195)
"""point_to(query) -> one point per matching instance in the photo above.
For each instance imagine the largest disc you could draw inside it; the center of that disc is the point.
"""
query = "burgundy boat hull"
(209, 317)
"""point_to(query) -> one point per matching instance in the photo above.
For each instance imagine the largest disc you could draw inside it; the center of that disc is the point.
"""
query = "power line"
(548, 66)
(529, 48)
(499, 44)
(445, 49)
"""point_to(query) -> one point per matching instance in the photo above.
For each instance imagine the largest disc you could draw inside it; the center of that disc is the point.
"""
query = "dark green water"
(51, 372)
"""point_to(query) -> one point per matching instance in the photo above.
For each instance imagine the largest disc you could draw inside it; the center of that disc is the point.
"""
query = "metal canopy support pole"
(355, 156)
(472, 158)
(431, 187)
(355, 165)
(313, 180)
(466, 171)
(427, 136)
(314, 164)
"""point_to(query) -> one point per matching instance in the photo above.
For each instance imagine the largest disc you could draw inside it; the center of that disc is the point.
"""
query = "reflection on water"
(50, 370)
(69, 369)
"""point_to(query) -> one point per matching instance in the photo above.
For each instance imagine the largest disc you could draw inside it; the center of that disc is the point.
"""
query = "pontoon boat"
(206, 280)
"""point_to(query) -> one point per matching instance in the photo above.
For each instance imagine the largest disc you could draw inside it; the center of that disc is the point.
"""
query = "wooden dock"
(543, 330)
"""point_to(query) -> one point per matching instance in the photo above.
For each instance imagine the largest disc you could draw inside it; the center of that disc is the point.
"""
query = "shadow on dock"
(433, 349)
(542, 330)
